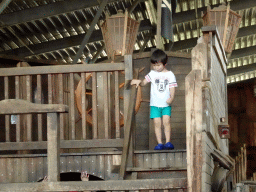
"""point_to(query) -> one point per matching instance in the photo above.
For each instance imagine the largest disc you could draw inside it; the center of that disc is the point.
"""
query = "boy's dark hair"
(159, 56)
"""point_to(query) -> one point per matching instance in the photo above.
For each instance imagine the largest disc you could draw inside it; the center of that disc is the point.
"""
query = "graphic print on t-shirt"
(161, 84)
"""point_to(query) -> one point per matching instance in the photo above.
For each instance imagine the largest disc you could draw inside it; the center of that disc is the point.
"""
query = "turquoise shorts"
(156, 112)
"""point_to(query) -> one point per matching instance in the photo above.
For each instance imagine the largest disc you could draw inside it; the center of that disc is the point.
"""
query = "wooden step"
(160, 159)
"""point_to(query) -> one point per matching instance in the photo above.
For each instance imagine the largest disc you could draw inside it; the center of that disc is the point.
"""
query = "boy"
(163, 83)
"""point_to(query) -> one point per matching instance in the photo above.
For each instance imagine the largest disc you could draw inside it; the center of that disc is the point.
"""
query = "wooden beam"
(159, 43)
(134, 5)
(48, 10)
(190, 43)
(123, 185)
(64, 144)
(243, 52)
(89, 32)
(185, 16)
(242, 69)
(62, 69)
(63, 7)
(19, 106)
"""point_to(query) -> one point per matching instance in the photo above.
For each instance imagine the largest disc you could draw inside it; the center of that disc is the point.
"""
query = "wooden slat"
(63, 165)
(117, 106)
(105, 98)
(139, 160)
(49, 88)
(3, 170)
(39, 101)
(162, 160)
(31, 169)
(83, 75)
(72, 107)
(61, 69)
(147, 161)
(17, 96)
(155, 161)
(108, 167)
(94, 106)
(93, 165)
(145, 184)
(77, 163)
(7, 117)
(86, 163)
(29, 116)
(101, 166)
(10, 170)
(18, 170)
(24, 165)
(40, 168)
(61, 101)
(63, 144)
(70, 164)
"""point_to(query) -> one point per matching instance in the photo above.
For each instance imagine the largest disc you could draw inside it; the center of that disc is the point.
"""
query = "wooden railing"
(56, 85)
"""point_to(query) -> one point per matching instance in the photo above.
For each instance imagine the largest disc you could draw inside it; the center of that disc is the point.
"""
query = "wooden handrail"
(61, 69)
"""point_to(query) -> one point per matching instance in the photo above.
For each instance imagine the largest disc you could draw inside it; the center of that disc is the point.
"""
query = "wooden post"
(159, 43)
(53, 147)
(128, 78)
(194, 125)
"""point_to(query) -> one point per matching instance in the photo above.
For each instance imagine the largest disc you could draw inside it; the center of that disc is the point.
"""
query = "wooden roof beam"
(189, 43)
(64, 43)
(242, 69)
(47, 10)
(89, 32)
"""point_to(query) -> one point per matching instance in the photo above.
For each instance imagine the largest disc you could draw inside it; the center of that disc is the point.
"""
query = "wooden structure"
(104, 149)
(206, 106)
(122, 156)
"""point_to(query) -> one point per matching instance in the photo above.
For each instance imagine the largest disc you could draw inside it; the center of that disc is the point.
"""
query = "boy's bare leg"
(158, 131)
(167, 127)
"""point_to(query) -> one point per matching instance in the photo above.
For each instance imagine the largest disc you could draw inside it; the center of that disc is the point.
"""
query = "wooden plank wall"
(32, 168)
(210, 91)
(180, 64)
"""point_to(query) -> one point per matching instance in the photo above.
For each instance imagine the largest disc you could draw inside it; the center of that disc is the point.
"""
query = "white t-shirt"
(160, 84)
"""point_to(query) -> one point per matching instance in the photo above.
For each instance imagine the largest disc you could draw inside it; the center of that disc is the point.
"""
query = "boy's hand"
(169, 101)
(135, 82)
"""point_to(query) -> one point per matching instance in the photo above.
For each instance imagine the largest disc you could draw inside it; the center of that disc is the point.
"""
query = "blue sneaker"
(160, 146)
(168, 145)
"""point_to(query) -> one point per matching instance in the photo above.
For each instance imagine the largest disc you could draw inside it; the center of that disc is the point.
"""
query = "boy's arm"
(138, 82)
(172, 94)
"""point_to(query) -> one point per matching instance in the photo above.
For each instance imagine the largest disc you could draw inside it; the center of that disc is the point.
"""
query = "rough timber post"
(53, 147)
(127, 92)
